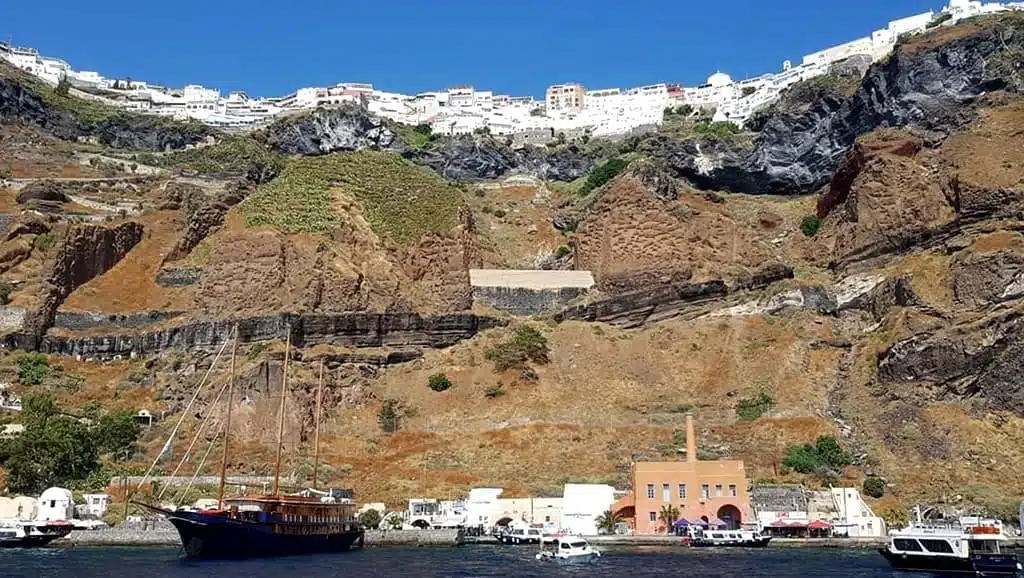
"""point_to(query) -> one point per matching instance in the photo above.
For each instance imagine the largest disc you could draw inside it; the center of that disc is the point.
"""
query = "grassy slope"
(401, 201)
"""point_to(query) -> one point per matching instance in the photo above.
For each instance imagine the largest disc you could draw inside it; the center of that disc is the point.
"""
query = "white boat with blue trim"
(567, 549)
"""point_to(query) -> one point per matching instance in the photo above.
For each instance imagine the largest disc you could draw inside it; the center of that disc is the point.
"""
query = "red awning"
(819, 525)
(796, 525)
(785, 524)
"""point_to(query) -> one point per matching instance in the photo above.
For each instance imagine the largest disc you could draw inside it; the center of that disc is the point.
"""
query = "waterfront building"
(707, 490)
(96, 505)
(583, 505)
(55, 504)
(849, 514)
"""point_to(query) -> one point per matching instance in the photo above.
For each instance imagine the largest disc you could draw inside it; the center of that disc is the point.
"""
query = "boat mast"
(316, 435)
(227, 423)
(280, 425)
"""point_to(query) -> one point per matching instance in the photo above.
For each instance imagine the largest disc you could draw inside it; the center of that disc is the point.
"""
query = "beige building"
(568, 97)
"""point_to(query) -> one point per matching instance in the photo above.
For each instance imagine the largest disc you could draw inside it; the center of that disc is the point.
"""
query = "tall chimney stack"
(691, 440)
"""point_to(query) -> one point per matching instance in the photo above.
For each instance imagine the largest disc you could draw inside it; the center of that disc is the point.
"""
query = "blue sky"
(516, 46)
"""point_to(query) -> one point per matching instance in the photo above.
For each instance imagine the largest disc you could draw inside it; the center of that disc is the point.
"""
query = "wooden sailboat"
(273, 524)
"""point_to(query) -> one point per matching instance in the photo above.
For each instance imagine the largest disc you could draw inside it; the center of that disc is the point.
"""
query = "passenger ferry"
(968, 546)
(21, 534)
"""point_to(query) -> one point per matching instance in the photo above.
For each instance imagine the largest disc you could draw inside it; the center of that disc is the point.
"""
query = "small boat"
(567, 549)
(522, 535)
(968, 546)
(726, 538)
(22, 534)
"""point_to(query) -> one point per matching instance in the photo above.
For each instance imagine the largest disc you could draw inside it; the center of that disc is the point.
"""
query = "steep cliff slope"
(884, 310)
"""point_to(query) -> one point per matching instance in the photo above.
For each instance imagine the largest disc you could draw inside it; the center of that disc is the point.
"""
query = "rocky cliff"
(71, 119)
(926, 87)
(464, 158)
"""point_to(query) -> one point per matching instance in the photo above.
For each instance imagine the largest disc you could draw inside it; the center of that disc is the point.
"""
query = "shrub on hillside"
(602, 174)
(33, 368)
(391, 414)
(496, 390)
(749, 409)
(810, 225)
(439, 382)
(721, 129)
(874, 487)
(825, 453)
(5, 292)
(562, 251)
(525, 346)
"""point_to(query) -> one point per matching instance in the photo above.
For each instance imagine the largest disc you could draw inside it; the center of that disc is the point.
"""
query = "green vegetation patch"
(602, 174)
(810, 225)
(720, 130)
(824, 454)
(401, 201)
(239, 153)
(749, 409)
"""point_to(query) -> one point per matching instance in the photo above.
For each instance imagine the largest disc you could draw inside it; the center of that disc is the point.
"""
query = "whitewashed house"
(583, 505)
(55, 504)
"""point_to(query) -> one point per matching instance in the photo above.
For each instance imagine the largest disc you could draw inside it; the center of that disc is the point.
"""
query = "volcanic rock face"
(121, 130)
(344, 128)
(468, 158)
(921, 87)
(87, 252)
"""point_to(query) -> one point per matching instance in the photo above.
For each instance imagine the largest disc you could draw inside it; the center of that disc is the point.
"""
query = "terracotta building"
(699, 489)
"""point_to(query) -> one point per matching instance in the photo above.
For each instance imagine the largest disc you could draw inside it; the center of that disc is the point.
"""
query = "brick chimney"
(691, 440)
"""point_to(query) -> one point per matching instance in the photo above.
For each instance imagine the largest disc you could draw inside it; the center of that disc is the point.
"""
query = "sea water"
(467, 561)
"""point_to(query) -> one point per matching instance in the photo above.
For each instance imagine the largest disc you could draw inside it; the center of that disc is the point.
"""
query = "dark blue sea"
(473, 561)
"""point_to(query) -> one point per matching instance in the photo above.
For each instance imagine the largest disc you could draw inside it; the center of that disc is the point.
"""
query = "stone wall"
(79, 320)
(11, 318)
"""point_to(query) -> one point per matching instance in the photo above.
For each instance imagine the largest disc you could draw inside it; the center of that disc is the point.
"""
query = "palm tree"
(669, 514)
(607, 521)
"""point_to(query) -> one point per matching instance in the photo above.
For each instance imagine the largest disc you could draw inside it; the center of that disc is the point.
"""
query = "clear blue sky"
(510, 46)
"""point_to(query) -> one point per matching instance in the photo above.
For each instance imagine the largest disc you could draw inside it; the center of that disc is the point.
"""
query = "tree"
(526, 345)
(668, 514)
(54, 450)
(607, 522)
(63, 86)
(896, 518)
(423, 128)
(439, 382)
(117, 433)
(822, 456)
(370, 519)
(391, 414)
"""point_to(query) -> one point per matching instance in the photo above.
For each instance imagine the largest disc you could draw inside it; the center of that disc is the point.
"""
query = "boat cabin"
(295, 515)
(946, 540)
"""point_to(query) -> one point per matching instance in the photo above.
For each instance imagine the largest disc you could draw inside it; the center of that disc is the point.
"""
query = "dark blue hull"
(213, 536)
(976, 565)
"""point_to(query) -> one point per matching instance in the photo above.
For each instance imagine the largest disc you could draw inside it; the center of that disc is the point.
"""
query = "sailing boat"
(269, 525)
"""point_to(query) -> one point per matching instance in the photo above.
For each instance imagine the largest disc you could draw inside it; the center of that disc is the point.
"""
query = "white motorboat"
(726, 538)
(567, 549)
(22, 534)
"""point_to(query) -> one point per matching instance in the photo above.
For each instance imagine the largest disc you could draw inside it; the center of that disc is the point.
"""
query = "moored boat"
(567, 549)
(968, 546)
(273, 524)
(31, 534)
(699, 537)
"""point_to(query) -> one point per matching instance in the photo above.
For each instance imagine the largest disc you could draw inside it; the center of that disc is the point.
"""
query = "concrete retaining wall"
(161, 533)
(528, 292)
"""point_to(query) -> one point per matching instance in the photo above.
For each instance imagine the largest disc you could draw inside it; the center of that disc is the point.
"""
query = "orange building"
(700, 490)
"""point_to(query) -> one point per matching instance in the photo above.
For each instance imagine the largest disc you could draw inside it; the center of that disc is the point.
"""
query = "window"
(666, 493)
(654, 516)
(547, 518)
(938, 546)
(705, 491)
(732, 490)
(650, 491)
(718, 490)
(682, 491)
(906, 545)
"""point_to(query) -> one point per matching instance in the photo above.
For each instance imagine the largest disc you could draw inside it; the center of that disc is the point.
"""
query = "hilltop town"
(570, 109)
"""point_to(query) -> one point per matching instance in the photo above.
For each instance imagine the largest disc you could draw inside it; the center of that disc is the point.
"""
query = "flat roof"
(530, 278)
